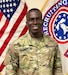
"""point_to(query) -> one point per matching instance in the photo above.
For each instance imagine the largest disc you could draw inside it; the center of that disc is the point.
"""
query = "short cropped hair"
(36, 9)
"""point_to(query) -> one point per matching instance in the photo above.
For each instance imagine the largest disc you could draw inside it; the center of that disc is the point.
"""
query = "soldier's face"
(34, 21)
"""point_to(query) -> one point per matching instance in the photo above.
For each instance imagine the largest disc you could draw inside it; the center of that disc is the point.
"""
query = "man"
(34, 53)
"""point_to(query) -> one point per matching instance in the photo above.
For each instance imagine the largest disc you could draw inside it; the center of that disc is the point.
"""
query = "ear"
(43, 20)
(26, 22)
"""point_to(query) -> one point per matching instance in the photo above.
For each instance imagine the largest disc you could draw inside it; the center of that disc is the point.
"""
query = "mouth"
(35, 27)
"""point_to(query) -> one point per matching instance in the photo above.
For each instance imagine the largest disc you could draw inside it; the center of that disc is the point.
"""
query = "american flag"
(12, 24)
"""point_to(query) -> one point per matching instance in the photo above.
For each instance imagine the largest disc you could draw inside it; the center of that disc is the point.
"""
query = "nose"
(35, 21)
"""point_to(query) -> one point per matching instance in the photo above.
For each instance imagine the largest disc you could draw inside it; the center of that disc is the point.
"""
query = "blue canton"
(8, 7)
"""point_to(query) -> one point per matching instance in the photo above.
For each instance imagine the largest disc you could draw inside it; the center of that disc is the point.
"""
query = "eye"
(38, 18)
(30, 19)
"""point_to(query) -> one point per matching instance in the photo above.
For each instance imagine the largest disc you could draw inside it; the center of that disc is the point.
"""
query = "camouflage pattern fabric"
(29, 56)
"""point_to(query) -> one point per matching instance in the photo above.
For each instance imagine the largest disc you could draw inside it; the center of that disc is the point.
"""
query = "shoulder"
(21, 39)
(49, 40)
(19, 42)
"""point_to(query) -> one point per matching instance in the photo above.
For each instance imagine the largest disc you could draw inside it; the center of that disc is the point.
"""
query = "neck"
(36, 35)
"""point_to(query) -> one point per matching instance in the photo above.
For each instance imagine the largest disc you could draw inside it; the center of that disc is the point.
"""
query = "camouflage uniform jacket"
(29, 56)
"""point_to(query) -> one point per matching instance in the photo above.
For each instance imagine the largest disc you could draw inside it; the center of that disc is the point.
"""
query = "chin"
(35, 32)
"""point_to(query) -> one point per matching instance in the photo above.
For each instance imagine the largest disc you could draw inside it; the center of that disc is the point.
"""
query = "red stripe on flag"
(1, 14)
(4, 28)
(24, 30)
(2, 66)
